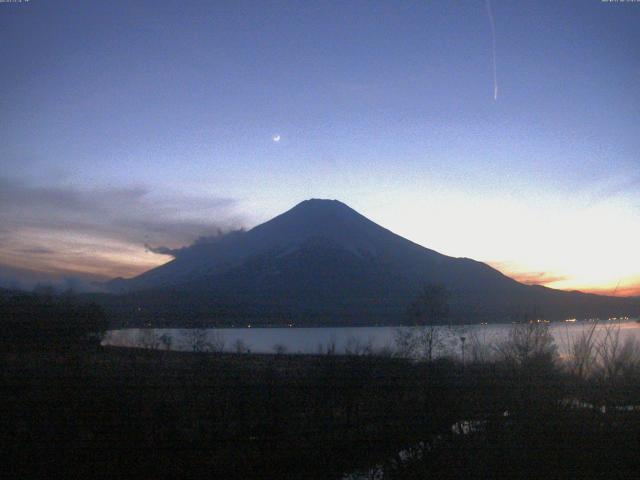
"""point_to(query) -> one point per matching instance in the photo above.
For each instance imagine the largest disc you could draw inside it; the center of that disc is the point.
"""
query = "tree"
(431, 306)
(200, 340)
(240, 346)
(529, 345)
(617, 359)
(406, 343)
(429, 338)
(216, 343)
(149, 339)
(279, 349)
(195, 339)
(44, 318)
(166, 340)
(429, 310)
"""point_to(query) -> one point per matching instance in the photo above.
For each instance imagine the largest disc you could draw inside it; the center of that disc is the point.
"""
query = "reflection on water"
(340, 340)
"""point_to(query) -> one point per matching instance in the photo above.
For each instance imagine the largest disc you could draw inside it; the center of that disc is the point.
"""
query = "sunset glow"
(153, 130)
(72, 254)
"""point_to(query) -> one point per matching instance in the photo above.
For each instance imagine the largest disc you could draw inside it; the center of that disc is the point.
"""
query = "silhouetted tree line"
(517, 413)
(133, 413)
(43, 317)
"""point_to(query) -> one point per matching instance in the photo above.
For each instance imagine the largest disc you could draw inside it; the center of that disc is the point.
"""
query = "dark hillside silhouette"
(44, 318)
(323, 263)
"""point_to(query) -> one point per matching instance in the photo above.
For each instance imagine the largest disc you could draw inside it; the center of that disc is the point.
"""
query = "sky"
(126, 126)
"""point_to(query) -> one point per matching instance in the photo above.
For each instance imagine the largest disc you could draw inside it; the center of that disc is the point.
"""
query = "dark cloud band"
(94, 223)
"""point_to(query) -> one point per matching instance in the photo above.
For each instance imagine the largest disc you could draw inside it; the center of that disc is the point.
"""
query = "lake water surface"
(343, 339)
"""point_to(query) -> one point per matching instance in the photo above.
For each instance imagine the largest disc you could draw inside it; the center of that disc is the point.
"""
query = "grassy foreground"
(87, 412)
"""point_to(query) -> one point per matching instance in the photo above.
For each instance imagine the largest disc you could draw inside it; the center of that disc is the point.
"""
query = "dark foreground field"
(129, 413)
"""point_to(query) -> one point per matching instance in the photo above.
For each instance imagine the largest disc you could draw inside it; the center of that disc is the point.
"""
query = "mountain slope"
(323, 263)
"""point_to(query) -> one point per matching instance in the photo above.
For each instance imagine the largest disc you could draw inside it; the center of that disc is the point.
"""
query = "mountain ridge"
(322, 259)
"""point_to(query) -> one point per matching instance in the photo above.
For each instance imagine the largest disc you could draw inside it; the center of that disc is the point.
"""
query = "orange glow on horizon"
(129, 260)
(630, 291)
(71, 254)
(595, 263)
(629, 287)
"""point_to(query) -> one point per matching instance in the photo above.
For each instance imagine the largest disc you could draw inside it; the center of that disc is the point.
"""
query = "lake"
(344, 339)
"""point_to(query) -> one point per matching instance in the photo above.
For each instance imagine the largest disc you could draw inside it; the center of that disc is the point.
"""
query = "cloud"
(537, 278)
(37, 251)
(102, 231)
(163, 250)
(203, 240)
(25, 279)
(132, 213)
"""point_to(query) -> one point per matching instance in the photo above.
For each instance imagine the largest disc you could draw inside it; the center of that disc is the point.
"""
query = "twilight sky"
(133, 123)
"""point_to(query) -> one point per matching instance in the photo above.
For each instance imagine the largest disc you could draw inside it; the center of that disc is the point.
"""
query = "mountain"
(323, 263)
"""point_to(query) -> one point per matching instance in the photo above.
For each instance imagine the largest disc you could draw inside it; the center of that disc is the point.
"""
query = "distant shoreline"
(212, 325)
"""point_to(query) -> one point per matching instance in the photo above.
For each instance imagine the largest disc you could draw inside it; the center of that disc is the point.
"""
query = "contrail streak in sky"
(493, 41)
(616, 290)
